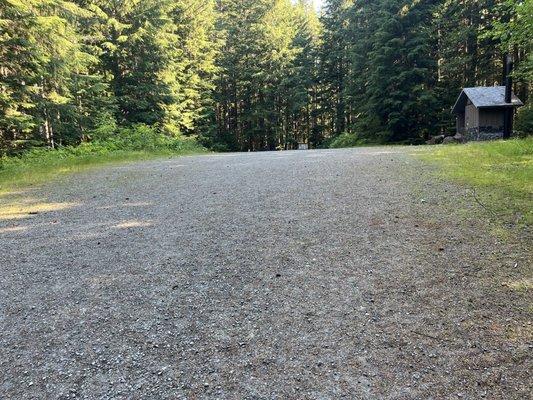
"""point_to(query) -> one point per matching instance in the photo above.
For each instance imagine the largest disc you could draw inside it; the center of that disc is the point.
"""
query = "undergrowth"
(124, 144)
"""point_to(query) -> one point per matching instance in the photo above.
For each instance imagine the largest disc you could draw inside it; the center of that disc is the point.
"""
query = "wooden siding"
(492, 118)
(471, 117)
(460, 122)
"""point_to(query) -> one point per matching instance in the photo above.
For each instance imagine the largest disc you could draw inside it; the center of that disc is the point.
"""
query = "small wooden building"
(481, 112)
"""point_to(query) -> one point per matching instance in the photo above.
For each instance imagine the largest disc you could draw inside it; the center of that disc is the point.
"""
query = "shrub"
(524, 121)
(346, 140)
(107, 144)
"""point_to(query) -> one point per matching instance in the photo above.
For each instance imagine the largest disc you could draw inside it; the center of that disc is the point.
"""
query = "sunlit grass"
(500, 173)
(42, 165)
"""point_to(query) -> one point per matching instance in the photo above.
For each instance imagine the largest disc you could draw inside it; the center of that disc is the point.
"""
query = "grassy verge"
(41, 165)
(500, 174)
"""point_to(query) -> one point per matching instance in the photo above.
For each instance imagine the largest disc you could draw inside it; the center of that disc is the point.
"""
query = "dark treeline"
(250, 74)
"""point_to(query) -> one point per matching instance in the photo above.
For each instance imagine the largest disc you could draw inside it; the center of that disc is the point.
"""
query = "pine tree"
(47, 72)
(193, 68)
(401, 78)
(259, 68)
(18, 68)
(250, 74)
(334, 64)
(302, 83)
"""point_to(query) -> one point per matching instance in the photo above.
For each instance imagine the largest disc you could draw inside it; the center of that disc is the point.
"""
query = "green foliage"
(346, 140)
(267, 76)
(48, 92)
(250, 74)
(502, 172)
(143, 138)
(70, 66)
(391, 69)
(514, 33)
(124, 144)
(160, 59)
(524, 121)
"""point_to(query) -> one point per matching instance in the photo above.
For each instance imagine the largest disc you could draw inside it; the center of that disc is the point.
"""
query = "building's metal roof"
(483, 97)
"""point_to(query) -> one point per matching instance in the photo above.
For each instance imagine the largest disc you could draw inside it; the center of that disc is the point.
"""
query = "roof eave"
(456, 108)
(502, 106)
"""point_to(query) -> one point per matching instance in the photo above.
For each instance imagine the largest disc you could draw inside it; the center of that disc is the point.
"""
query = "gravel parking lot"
(330, 274)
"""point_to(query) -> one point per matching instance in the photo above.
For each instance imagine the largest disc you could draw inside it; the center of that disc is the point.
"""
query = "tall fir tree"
(49, 70)
(251, 74)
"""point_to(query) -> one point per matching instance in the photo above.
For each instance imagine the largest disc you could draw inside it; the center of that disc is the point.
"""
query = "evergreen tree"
(193, 69)
(46, 81)
(302, 86)
(250, 74)
(334, 64)
(17, 70)
(400, 80)
(260, 87)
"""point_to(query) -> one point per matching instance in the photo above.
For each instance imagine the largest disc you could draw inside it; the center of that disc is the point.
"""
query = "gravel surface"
(298, 275)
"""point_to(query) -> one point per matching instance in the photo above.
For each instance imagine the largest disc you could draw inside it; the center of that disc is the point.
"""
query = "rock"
(449, 140)
(436, 139)
(459, 138)
(439, 139)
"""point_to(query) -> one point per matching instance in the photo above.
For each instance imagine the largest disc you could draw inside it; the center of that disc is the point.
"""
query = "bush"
(108, 144)
(346, 140)
(524, 121)
(140, 138)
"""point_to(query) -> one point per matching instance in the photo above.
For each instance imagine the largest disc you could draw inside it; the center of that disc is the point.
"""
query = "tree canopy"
(250, 74)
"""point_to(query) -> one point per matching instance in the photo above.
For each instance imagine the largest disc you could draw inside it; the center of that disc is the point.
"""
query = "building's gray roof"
(483, 97)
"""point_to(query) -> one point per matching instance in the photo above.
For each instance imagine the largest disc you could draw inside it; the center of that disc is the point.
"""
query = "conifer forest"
(250, 75)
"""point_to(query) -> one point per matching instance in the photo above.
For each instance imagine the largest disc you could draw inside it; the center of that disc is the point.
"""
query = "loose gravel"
(346, 274)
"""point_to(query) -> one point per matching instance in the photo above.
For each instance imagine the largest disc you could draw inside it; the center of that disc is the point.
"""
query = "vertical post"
(508, 115)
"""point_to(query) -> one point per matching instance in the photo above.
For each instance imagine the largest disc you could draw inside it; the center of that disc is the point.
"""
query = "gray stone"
(206, 262)
(459, 138)
(435, 140)
(449, 140)
(439, 139)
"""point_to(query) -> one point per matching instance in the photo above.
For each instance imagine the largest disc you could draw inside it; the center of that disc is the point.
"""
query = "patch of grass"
(499, 172)
(522, 285)
(138, 143)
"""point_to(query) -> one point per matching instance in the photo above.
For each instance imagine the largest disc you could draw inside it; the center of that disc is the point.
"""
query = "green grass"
(40, 165)
(499, 172)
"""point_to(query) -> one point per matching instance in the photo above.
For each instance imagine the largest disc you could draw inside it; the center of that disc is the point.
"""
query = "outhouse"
(481, 112)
